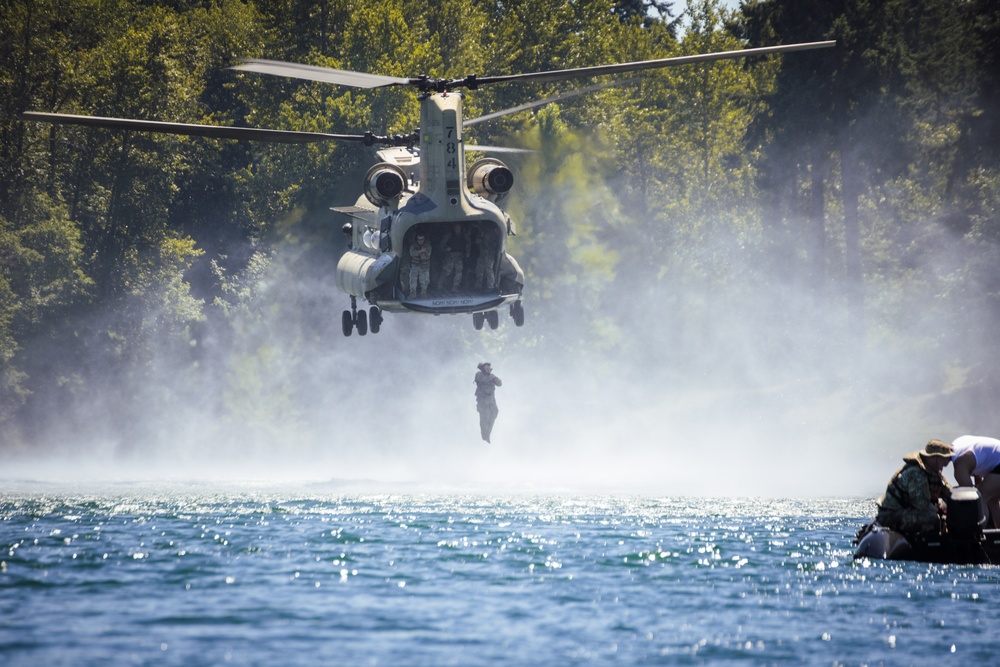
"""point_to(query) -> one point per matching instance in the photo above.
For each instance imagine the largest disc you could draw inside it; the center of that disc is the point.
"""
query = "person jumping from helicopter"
(486, 403)
(420, 266)
(456, 245)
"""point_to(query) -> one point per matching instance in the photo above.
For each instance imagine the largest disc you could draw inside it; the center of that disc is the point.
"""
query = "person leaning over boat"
(977, 463)
(911, 504)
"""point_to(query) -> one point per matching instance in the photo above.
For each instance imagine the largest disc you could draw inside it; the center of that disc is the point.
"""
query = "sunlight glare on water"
(192, 575)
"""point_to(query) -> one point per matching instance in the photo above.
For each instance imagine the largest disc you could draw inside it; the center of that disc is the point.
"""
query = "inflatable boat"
(965, 541)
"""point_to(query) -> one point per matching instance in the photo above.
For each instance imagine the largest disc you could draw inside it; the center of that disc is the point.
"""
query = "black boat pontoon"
(965, 541)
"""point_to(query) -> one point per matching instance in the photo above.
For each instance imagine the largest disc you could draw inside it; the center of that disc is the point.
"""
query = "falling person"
(486, 403)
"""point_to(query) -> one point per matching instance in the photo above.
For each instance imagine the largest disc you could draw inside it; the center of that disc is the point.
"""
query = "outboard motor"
(966, 513)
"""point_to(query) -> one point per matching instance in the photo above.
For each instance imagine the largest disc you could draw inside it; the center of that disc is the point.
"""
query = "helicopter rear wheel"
(517, 312)
(362, 323)
(347, 322)
(374, 319)
(478, 319)
(493, 317)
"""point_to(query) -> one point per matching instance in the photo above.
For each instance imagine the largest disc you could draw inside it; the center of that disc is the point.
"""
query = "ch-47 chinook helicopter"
(420, 193)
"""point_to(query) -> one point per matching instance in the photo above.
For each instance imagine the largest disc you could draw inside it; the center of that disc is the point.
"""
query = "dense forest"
(777, 216)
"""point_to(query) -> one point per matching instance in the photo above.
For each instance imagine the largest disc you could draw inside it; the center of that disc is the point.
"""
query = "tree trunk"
(851, 191)
(816, 216)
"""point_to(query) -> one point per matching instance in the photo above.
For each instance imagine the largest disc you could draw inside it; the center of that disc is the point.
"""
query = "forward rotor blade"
(324, 74)
(210, 131)
(561, 75)
(549, 100)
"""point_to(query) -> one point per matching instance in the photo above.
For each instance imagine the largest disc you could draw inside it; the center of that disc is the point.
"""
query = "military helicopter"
(419, 198)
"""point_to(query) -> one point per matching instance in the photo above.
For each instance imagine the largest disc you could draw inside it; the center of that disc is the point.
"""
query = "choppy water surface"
(195, 576)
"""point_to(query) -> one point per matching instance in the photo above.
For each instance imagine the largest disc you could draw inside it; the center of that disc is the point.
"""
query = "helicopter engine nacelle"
(490, 178)
(384, 183)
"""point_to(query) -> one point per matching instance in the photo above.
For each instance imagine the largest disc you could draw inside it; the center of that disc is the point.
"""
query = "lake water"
(174, 574)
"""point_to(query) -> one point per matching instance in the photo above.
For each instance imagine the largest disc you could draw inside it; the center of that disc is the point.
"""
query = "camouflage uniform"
(484, 273)
(910, 502)
(456, 249)
(420, 268)
(486, 403)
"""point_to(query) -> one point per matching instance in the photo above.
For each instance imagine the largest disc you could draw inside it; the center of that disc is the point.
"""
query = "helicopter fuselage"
(429, 236)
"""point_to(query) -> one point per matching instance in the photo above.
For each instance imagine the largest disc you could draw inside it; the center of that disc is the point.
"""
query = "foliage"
(862, 180)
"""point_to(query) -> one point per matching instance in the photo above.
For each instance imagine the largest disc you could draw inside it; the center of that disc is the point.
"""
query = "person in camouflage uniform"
(456, 246)
(486, 402)
(910, 503)
(484, 273)
(420, 266)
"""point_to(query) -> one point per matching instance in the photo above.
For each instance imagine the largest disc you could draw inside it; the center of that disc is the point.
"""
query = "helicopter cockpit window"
(453, 258)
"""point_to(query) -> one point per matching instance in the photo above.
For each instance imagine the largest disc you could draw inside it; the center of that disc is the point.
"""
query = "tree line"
(857, 187)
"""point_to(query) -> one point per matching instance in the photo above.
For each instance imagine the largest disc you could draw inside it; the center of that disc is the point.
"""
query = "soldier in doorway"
(420, 266)
(456, 245)
(484, 274)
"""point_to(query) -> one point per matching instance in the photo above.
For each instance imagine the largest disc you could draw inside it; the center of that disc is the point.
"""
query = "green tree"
(42, 282)
(564, 212)
(796, 134)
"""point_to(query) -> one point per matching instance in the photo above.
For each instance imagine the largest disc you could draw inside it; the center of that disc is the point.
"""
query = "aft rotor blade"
(549, 100)
(210, 131)
(324, 74)
(561, 75)
(497, 149)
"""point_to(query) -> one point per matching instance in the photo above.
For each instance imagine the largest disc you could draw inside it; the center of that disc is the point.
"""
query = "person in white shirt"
(976, 462)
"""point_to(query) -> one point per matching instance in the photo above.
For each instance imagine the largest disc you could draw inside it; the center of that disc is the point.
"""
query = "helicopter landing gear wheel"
(493, 317)
(374, 319)
(478, 319)
(517, 312)
(358, 319)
